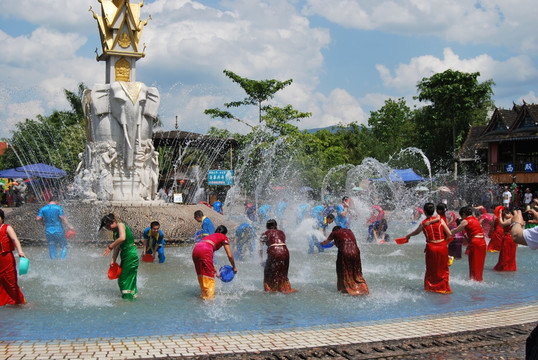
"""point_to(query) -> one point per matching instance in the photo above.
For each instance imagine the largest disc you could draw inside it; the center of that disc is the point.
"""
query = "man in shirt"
(53, 216)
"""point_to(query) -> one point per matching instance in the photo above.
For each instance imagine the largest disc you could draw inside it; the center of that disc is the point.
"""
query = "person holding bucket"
(154, 241)
(123, 244)
(10, 293)
(53, 216)
(202, 256)
(437, 236)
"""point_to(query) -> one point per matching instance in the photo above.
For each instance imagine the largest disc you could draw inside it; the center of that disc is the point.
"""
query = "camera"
(527, 216)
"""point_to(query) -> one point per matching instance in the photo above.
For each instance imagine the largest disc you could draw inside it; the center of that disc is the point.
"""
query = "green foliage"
(392, 127)
(55, 139)
(258, 91)
(457, 101)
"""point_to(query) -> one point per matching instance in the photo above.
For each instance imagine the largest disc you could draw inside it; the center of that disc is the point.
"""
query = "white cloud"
(54, 14)
(514, 70)
(36, 68)
(16, 112)
(530, 98)
(338, 108)
(497, 22)
(192, 44)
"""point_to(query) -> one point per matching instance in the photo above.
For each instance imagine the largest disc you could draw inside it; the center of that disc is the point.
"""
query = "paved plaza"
(253, 341)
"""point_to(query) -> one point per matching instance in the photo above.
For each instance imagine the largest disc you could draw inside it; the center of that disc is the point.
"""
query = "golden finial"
(93, 12)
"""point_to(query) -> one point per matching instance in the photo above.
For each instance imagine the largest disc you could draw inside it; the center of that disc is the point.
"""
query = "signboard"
(509, 168)
(178, 198)
(529, 167)
(220, 177)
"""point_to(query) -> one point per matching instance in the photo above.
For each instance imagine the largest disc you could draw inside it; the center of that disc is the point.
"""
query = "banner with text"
(220, 177)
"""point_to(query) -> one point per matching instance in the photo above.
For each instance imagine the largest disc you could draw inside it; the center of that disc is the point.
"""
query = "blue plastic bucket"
(24, 263)
(226, 273)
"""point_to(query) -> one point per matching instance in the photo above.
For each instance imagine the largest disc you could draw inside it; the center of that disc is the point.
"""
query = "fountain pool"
(74, 298)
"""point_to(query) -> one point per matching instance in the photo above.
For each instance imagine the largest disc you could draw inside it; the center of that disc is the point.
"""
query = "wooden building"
(508, 145)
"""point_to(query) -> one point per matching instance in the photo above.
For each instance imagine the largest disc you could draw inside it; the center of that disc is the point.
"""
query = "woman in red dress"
(202, 256)
(10, 293)
(348, 262)
(437, 236)
(275, 273)
(477, 243)
(496, 232)
(507, 256)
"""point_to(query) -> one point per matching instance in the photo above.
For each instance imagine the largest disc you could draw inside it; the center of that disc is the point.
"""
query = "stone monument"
(119, 162)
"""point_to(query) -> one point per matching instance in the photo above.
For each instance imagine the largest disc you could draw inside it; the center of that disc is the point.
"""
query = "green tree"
(392, 127)
(456, 101)
(258, 91)
(56, 139)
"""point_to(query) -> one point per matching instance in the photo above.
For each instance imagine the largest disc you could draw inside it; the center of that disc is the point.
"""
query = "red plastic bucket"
(114, 271)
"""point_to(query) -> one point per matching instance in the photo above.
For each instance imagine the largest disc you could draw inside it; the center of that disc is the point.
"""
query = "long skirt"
(275, 273)
(477, 257)
(202, 256)
(455, 246)
(437, 274)
(349, 271)
(507, 256)
(10, 293)
(495, 243)
(129, 271)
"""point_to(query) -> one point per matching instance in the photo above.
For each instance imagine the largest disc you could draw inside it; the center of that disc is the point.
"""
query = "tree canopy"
(456, 100)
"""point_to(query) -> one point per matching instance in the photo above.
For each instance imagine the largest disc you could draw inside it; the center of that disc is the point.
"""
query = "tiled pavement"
(255, 341)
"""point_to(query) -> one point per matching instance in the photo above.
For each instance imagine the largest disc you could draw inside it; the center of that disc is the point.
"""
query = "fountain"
(73, 299)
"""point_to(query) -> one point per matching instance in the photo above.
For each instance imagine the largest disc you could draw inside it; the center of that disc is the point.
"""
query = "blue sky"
(346, 57)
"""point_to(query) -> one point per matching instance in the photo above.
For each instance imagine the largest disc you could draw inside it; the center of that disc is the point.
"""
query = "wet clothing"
(245, 236)
(54, 231)
(301, 212)
(477, 248)
(275, 273)
(341, 220)
(129, 264)
(207, 227)
(154, 242)
(280, 209)
(10, 293)
(507, 255)
(377, 214)
(348, 263)
(496, 232)
(264, 213)
(455, 246)
(437, 274)
(378, 226)
(486, 221)
(202, 256)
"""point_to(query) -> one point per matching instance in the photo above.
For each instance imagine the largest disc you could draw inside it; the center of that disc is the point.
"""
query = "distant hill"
(332, 129)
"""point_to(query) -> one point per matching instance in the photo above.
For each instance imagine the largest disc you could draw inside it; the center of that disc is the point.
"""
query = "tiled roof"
(519, 123)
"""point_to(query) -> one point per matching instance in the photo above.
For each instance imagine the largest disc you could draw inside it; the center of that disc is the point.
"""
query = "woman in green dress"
(123, 244)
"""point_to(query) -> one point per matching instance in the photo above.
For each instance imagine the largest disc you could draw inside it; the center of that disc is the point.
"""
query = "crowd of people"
(444, 232)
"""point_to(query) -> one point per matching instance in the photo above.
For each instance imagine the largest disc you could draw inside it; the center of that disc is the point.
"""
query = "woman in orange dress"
(437, 236)
(477, 243)
(507, 255)
(275, 273)
(496, 233)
